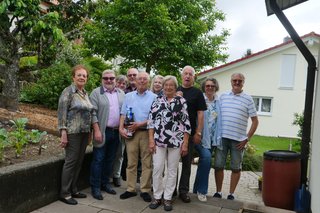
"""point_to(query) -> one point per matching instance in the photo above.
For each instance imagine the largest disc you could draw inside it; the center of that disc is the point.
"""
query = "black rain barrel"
(281, 178)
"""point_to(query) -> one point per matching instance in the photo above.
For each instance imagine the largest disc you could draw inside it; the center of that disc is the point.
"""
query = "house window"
(287, 71)
(263, 105)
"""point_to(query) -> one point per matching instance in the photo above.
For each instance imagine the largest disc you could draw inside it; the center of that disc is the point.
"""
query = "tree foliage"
(163, 35)
(26, 30)
(21, 22)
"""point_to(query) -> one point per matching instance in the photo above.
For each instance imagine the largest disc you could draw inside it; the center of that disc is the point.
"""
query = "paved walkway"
(248, 199)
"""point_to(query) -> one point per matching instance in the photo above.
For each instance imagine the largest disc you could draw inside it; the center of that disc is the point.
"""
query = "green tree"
(160, 35)
(21, 21)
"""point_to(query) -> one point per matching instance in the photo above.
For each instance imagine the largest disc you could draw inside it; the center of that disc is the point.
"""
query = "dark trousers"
(103, 158)
(186, 169)
(75, 151)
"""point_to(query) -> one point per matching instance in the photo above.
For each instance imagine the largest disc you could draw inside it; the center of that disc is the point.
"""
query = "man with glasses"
(140, 101)
(107, 101)
(236, 108)
(131, 75)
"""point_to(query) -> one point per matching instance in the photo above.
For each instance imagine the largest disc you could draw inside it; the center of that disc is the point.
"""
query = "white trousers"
(165, 185)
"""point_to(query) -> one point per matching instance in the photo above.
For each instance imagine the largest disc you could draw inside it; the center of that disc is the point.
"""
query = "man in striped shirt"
(236, 108)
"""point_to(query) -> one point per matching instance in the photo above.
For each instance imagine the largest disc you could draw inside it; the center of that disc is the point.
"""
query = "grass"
(264, 143)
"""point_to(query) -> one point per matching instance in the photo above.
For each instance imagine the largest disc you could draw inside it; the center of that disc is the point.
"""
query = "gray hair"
(122, 78)
(108, 72)
(189, 68)
(170, 77)
(239, 74)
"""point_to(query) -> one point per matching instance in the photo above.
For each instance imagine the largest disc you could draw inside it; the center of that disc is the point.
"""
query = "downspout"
(308, 105)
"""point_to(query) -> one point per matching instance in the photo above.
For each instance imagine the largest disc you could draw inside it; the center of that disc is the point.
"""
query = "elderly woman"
(121, 82)
(74, 123)
(169, 130)
(211, 137)
(156, 85)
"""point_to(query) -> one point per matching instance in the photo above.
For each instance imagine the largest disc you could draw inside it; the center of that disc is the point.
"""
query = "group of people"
(168, 122)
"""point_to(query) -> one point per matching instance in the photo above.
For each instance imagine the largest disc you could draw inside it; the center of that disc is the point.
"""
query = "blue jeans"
(204, 166)
(102, 161)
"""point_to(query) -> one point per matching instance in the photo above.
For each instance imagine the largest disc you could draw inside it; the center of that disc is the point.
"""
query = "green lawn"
(263, 143)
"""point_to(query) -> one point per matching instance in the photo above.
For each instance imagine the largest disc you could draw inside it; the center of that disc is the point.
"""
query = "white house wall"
(315, 147)
(262, 79)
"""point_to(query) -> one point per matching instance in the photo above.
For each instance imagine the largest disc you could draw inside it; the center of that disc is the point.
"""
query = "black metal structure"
(306, 131)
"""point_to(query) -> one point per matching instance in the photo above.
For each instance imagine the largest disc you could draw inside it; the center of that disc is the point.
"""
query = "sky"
(251, 28)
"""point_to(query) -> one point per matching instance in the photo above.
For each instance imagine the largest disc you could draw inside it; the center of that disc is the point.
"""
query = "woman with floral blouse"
(169, 130)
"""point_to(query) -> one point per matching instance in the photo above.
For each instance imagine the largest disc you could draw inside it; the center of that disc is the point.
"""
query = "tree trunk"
(11, 88)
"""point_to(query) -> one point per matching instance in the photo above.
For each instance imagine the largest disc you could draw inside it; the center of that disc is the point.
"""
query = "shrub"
(252, 162)
(52, 80)
(28, 61)
(47, 89)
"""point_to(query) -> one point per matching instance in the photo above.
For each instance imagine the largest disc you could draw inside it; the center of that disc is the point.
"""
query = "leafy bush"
(70, 54)
(252, 162)
(28, 61)
(47, 89)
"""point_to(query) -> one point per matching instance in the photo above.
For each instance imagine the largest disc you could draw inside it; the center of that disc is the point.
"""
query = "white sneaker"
(202, 197)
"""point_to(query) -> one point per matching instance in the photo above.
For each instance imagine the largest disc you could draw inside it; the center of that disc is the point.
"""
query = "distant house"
(276, 79)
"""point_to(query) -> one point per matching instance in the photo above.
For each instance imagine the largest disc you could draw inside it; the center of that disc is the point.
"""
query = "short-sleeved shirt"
(235, 111)
(140, 104)
(195, 103)
(170, 121)
(74, 111)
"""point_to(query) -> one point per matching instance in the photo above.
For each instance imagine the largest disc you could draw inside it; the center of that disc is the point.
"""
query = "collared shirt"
(114, 111)
(74, 111)
(235, 111)
(170, 121)
(140, 103)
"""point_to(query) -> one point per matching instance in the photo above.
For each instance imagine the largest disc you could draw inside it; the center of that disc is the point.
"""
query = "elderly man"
(107, 101)
(132, 86)
(196, 107)
(236, 108)
(131, 75)
(140, 101)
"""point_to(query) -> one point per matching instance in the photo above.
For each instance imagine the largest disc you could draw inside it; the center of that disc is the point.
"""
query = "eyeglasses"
(237, 80)
(210, 86)
(132, 75)
(108, 78)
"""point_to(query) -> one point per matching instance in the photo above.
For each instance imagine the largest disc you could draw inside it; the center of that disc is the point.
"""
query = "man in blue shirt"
(140, 101)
